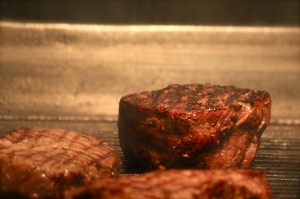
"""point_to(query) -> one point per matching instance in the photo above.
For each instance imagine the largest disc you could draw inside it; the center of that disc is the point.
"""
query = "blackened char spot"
(11, 195)
(85, 195)
(237, 107)
(231, 99)
(211, 103)
(250, 100)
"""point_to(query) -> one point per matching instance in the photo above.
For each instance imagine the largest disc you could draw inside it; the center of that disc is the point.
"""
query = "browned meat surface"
(180, 184)
(202, 126)
(40, 163)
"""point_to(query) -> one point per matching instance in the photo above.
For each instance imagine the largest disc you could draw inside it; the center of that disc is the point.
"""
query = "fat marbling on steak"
(179, 184)
(202, 126)
(42, 163)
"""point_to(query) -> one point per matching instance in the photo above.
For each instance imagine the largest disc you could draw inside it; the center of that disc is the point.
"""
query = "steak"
(193, 126)
(180, 184)
(41, 163)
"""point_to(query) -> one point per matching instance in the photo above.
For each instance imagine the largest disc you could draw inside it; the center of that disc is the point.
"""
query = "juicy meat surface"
(202, 126)
(180, 184)
(42, 163)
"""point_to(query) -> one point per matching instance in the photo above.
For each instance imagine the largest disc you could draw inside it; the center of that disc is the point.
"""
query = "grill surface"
(73, 76)
(278, 156)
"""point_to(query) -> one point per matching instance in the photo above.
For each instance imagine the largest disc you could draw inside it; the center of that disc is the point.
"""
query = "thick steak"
(203, 126)
(180, 184)
(40, 163)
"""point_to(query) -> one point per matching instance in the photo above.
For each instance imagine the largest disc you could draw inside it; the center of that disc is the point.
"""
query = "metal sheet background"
(72, 77)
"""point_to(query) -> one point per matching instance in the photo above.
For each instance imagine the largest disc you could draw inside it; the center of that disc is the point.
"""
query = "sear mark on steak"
(202, 126)
(180, 184)
(41, 163)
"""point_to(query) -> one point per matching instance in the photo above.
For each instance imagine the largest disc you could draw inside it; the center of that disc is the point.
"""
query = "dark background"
(186, 12)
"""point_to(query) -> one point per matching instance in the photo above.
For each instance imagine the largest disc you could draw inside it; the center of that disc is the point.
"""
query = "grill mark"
(155, 96)
(53, 164)
(14, 137)
(73, 141)
(94, 141)
(193, 98)
(107, 154)
(72, 153)
(218, 97)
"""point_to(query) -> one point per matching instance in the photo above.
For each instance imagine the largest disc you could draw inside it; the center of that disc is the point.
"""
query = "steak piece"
(180, 184)
(41, 163)
(201, 126)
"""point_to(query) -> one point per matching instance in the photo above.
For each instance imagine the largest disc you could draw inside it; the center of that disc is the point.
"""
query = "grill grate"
(278, 156)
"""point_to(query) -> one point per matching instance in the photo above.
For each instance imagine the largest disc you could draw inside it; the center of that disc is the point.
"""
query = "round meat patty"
(179, 184)
(194, 125)
(42, 163)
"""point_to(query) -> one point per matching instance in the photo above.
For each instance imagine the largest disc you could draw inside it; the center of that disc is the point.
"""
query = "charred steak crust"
(203, 126)
(41, 163)
(180, 184)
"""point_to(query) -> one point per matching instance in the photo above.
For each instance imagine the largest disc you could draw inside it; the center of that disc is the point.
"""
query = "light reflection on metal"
(149, 28)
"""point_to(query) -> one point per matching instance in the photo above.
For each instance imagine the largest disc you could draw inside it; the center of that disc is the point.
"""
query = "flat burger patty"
(41, 163)
(180, 184)
(204, 126)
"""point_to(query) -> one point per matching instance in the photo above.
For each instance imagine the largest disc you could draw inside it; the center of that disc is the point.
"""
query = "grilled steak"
(40, 163)
(180, 184)
(202, 126)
